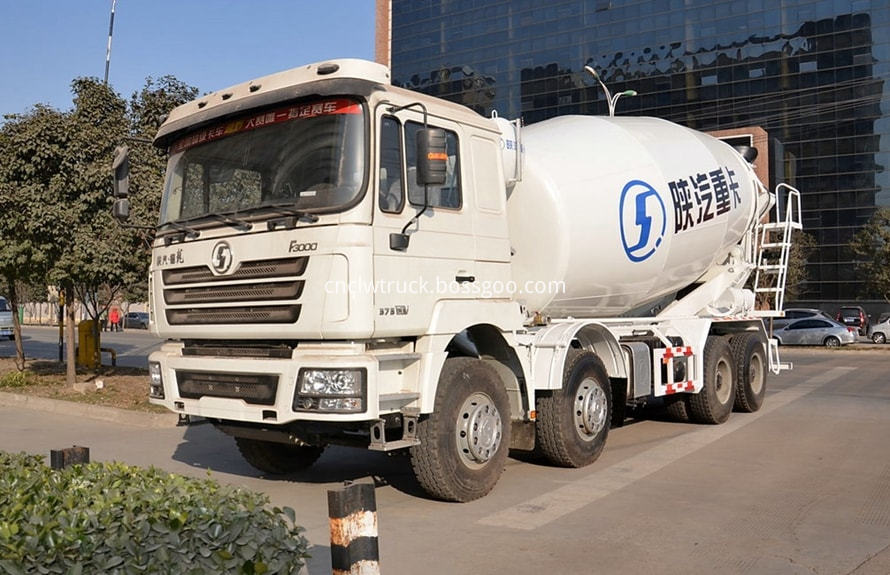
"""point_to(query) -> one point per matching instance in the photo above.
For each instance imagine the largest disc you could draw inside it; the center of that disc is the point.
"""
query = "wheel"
(675, 407)
(714, 402)
(464, 441)
(573, 422)
(749, 355)
(277, 458)
(878, 337)
(831, 341)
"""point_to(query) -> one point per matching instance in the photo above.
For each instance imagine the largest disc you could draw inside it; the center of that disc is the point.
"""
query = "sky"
(208, 44)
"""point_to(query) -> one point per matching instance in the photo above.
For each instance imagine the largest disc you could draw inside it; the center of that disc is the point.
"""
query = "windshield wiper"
(238, 224)
(293, 216)
(185, 232)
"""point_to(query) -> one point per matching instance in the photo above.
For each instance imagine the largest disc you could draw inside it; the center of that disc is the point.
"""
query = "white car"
(6, 328)
(879, 331)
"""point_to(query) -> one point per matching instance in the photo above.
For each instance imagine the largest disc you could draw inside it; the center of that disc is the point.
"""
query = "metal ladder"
(774, 245)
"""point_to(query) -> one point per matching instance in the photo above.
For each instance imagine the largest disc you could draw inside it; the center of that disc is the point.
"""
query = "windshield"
(308, 156)
(3, 305)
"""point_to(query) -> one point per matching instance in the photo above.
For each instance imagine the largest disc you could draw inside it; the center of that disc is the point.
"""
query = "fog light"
(330, 390)
(156, 382)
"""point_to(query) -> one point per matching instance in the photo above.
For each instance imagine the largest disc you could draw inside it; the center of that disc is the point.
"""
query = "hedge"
(115, 518)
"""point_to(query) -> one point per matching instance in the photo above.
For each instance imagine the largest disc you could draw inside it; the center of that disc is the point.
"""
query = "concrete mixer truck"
(342, 261)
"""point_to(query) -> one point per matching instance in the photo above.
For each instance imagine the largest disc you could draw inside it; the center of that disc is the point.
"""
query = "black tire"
(464, 442)
(878, 337)
(675, 407)
(713, 404)
(277, 458)
(831, 342)
(573, 422)
(752, 366)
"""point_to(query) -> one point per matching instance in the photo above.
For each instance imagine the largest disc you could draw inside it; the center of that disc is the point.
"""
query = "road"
(802, 486)
(42, 342)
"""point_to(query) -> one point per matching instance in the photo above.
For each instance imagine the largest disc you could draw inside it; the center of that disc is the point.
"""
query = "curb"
(99, 412)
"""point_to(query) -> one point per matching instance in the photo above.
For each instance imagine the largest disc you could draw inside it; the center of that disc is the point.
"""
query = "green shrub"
(114, 518)
(16, 379)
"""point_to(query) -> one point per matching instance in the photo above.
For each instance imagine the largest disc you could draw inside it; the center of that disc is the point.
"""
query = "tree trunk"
(71, 368)
(17, 327)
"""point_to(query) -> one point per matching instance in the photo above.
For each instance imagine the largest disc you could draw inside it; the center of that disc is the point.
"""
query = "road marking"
(577, 494)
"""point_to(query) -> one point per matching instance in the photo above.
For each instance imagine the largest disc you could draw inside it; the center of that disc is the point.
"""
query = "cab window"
(391, 193)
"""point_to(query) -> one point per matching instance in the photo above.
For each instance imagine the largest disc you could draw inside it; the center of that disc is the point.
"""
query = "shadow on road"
(204, 446)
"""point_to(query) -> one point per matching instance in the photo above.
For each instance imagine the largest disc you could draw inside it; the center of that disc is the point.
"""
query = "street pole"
(108, 50)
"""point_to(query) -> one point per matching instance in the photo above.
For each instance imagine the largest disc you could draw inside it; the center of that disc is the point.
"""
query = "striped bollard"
(353, 515)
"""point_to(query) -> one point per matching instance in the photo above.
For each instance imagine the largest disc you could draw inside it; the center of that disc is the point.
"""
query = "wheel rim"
(723, 381)
(479, 430)
(832, 342)
(591, 409)
(878, 338)
(755, 373)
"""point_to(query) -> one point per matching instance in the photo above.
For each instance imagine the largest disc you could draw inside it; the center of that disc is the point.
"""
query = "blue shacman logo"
(643, 220)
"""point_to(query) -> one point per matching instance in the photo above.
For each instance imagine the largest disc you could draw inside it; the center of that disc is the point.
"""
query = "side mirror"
(432, 157)
(120, 210)
(121, 168)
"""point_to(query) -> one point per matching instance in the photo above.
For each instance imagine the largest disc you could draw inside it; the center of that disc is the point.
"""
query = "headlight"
(156, 382)
(332, 390)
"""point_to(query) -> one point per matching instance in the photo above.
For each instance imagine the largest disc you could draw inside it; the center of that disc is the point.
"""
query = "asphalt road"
(802, 486)
(42, 342)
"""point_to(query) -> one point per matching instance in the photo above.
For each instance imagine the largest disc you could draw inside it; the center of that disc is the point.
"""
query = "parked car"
(6, 327)
(814, 331)
(136, 319)
(853, 315)
(880, 331)
(796, 313)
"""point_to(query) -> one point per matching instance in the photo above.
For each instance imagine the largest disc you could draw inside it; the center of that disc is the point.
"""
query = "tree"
(871, 245)
(802, 247)
(32, 151)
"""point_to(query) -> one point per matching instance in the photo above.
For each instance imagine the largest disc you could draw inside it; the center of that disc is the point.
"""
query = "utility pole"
(108, 50)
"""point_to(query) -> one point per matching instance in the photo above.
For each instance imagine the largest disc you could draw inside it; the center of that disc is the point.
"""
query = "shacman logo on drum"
(643, 220)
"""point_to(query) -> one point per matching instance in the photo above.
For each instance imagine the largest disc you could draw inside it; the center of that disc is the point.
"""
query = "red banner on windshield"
(281, 115)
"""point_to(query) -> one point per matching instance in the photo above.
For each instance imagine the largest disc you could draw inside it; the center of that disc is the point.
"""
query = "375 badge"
(643, 220)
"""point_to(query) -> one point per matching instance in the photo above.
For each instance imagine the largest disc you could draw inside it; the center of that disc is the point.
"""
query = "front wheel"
(832, 341)
(573, 422)
(878, 337)
(713, 404)
(464, 441)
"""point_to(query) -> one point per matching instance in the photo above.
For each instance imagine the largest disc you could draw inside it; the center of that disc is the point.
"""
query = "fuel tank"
(613, 213)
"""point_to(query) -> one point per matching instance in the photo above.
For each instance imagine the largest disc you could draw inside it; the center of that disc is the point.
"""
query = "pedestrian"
(103, 320)
(114, 316)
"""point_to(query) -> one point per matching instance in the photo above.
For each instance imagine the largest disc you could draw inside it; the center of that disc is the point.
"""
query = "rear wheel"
(277, 458)
(832, 341)
(749, 354)
(464, 441)
(573, 422)
(714, 402)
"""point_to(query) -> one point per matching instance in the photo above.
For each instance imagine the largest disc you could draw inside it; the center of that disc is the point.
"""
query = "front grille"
(242, 349)
(233, 293)
(260, 269)
(223, 315)
(252, 388)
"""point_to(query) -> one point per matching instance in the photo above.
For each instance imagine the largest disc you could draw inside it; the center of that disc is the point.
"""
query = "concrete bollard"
(62, 458)
(353, 516)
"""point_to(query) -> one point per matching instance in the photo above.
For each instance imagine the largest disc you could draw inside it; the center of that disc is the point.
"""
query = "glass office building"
(812, 73)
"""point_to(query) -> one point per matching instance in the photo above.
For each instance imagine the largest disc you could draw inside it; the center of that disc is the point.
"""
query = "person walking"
(114, 316)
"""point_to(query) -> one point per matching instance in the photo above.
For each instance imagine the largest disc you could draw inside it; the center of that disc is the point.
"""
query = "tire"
(831, 342)
(752, 366)
(675, 407)
(464, 441)
(277, 458)
(573, 423)
(878, 337)
(713, 404)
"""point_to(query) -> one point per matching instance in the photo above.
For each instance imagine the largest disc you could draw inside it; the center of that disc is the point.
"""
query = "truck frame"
(293, 328)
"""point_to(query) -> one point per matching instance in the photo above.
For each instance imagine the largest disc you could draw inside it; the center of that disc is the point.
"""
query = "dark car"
(136, 320)
(855, 316)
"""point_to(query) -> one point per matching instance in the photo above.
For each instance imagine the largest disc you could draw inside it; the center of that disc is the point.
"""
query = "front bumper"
(258, 390)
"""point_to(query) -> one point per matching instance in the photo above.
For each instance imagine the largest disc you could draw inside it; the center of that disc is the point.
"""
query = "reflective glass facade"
(813, 74)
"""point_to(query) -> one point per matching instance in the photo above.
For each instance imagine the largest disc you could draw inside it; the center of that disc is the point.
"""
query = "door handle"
(464, 279)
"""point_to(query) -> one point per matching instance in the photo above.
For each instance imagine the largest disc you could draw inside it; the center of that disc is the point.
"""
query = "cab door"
(439, 261)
